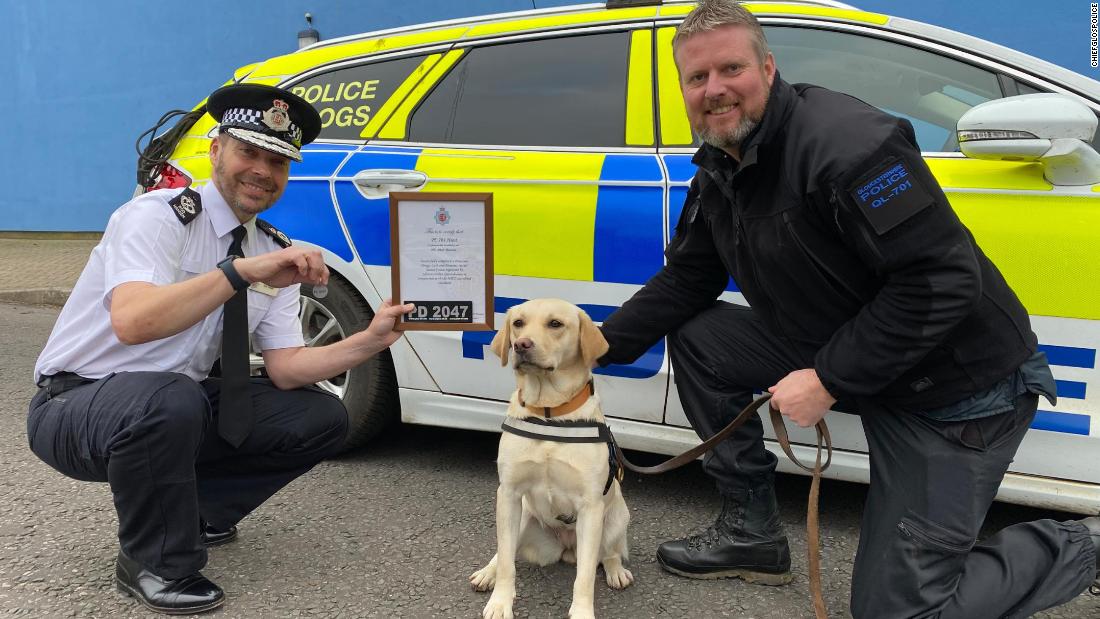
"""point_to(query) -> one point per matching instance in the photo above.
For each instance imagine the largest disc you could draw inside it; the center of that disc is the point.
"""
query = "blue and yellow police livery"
(572, 118)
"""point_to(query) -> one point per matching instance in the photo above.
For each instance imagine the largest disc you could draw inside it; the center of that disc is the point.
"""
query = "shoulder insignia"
(889, 195)
(273, 232)
(187, 205)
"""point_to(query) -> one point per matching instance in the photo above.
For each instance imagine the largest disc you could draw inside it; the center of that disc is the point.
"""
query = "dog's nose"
(523, 345)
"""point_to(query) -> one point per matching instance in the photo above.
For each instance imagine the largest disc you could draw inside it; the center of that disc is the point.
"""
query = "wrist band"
(235, 279)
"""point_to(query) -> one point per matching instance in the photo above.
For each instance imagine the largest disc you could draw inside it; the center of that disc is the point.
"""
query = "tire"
(369, 391)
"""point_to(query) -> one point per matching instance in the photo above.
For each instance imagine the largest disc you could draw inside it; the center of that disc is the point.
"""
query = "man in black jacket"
(865, 287)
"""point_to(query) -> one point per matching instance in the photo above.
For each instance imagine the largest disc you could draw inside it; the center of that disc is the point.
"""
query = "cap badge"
(277, 117)
(187, 204)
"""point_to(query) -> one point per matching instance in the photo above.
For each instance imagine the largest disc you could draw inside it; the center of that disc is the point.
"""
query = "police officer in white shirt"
(125, 393)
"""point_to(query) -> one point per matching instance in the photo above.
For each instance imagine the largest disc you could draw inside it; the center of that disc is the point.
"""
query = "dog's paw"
(484, 579)
(581, 611)
(497, 609)
(619, 578)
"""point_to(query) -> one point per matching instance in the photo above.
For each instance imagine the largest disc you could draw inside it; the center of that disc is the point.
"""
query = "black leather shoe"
(745, 542)
(216, 537)
(176, 596)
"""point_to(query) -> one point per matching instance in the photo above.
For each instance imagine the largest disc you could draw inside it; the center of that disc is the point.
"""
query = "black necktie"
(235, 408)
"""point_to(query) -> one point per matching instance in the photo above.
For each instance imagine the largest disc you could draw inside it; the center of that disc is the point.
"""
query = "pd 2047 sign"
(442, 259)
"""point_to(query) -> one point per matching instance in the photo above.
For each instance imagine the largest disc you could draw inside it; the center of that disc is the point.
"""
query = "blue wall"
(84, 79)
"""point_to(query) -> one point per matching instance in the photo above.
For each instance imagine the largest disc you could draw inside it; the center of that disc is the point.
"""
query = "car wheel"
(369, 390)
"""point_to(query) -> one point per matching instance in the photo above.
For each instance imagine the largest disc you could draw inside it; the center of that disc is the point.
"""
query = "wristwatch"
(235, 279)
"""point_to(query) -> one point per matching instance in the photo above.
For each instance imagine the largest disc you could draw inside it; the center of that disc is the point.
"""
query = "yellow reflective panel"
(556, 21)
(197, 168)
(266, 81)
(243, 72)
(639, 90)
(1044, 244)
(397, 128)
(675, 128)
(191, 146)
(759, 9)
(291, 64)
(543, 226)
(977, 174)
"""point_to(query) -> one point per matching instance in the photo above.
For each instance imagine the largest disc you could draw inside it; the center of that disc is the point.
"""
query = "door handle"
(378, 183)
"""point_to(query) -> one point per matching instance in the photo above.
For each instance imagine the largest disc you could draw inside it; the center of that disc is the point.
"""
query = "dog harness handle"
(813, 531)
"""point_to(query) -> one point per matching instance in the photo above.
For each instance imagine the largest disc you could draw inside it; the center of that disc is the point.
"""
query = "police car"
(572, 118)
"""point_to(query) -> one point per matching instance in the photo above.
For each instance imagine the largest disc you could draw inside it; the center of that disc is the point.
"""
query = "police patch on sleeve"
(187, 205)
(281, 239)
(889, 195)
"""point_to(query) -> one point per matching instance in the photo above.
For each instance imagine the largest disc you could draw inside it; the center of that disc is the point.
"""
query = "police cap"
(274, 119)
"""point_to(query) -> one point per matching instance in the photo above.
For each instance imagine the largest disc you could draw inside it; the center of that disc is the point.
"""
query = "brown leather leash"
(813, 532)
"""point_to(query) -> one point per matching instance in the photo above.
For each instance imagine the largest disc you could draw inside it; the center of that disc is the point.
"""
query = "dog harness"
(561, 431)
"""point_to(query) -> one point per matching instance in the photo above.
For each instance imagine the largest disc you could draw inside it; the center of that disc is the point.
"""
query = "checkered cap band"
(247, 118)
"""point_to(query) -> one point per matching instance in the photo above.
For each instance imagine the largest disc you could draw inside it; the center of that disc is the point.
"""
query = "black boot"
(1092, 523)
(747, 542)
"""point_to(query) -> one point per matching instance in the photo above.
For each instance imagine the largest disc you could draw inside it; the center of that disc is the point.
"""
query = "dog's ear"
(502, 341)
(593, 344)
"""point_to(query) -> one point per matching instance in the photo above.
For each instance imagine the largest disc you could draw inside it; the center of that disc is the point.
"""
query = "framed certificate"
(441, 256)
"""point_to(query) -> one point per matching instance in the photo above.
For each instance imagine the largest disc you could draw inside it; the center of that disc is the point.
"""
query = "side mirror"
(1051, 129)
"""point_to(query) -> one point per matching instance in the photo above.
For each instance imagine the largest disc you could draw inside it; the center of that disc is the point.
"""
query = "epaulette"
(187, 205)
(273, 232)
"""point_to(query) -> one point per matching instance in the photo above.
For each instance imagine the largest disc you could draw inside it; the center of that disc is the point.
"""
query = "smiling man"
(126, 395)
(865, 287)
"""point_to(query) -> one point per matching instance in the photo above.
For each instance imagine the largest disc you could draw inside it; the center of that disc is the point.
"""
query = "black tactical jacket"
(842, 241)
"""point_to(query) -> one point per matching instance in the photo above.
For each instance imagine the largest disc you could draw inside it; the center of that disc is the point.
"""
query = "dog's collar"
(573, 404)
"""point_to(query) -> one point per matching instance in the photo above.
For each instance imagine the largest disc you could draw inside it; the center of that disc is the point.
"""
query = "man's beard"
(235, 201)
(729, 139)
(733, 138)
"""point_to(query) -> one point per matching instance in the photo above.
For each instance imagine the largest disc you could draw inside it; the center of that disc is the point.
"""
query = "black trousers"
(931, 486)
(153, 437)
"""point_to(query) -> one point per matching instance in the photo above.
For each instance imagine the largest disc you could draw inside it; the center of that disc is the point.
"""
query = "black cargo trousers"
(153, 437)
(931, 486)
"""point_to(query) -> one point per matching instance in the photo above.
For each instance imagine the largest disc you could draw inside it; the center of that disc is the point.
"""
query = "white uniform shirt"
(146, 242)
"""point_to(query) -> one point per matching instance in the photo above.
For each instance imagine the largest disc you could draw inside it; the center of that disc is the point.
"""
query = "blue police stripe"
(1069, 356)
(649, 364)
(631, 168)
(1070, 389)
(680, 168)
(306, 212)
(629, 237)
(368, 221)
(317, 164)
(327, 146)
(1067, 423)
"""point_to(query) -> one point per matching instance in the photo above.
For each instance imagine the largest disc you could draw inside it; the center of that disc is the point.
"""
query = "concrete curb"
(36, 296)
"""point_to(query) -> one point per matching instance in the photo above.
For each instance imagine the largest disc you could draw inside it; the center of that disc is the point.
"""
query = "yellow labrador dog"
(558, 498)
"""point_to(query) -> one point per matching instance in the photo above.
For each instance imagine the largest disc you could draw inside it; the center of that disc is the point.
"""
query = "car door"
(553, 127)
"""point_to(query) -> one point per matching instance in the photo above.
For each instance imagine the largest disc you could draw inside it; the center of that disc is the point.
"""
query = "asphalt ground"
(393, 530)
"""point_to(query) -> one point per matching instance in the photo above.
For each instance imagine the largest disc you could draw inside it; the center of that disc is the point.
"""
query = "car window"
(568, 91)
(929, 90)
(348, 98)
